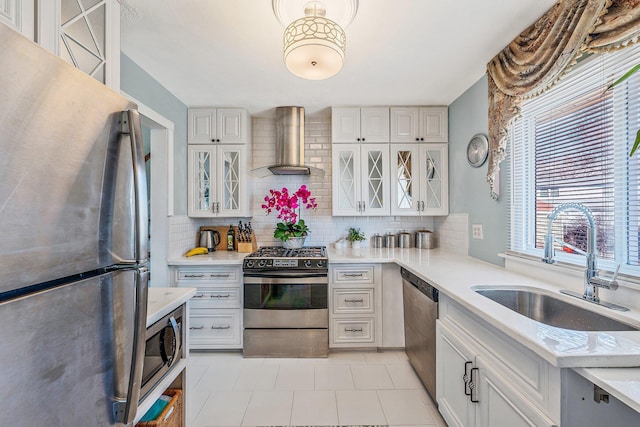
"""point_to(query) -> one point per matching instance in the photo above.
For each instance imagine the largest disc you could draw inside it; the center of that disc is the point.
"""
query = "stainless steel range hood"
(289, 145)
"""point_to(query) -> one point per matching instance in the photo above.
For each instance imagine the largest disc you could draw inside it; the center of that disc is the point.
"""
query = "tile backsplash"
(451, 231)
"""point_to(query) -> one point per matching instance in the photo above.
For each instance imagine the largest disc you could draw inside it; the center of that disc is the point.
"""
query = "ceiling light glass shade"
(314, 47)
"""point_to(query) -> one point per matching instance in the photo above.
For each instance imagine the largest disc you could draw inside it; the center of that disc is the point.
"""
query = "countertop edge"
(162, 301)
(213, 258)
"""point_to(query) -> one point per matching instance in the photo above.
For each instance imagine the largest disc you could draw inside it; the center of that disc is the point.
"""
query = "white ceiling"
(399, 52)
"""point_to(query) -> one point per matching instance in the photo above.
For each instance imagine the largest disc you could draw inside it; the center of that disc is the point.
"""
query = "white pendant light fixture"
(314, 46)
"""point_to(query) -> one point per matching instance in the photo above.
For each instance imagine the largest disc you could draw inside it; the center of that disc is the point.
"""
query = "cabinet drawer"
(214, 328)
(353, 301)
(201, 276)
(355, 274)
(353, 331)
(216, 298)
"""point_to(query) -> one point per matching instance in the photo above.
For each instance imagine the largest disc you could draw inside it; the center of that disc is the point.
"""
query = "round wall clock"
(478, 150)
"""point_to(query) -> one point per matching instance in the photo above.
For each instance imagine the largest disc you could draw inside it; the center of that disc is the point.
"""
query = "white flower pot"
(294, 242)
(356, 244)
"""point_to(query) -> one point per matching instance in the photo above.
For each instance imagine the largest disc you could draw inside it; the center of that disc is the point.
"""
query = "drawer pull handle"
(196, 327)
(354, 300)
(198, 296)
(193, 276)
(353, 329)
(352, 274)
(220, 275)
(221, 327)
(221, 296)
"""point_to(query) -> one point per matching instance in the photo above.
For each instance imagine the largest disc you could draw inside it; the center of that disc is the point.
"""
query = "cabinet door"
(231, 125)
(202, 125)
(374, 124)
(499, 405)
(434, 179)
(433, 124)
(404, 124)
(346, 179)
(345, 124)
(87, 37)
(19, 15)
(200, 167)
(375, 179)
(231, 186)
(452, 357)
(405, 182)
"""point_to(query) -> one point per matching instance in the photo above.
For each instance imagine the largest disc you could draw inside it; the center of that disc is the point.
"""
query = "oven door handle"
(275, 278)
(166, 359)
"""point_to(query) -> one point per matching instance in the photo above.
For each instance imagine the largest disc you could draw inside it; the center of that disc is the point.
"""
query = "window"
(572, 144)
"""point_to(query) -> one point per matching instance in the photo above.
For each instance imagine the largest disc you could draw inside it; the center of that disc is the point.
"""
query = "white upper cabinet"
(217, 125)
(361, 179)
(419, 179)
(84, 33)
(419, 124)
(217, 181)
(19, 15)
(354, 124)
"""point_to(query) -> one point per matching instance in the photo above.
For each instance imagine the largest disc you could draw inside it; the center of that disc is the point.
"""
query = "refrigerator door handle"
(131, 126)
(125, 409)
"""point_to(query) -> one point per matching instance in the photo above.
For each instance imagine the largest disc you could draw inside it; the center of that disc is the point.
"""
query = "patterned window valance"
(541, 54)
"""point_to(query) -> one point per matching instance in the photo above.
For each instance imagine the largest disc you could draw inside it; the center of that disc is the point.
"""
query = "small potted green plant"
(356, 237)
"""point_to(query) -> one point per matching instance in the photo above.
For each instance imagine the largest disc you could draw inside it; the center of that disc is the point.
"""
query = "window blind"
(571, 144)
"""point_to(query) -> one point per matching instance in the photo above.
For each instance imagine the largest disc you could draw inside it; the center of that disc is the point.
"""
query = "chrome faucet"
(591, 280)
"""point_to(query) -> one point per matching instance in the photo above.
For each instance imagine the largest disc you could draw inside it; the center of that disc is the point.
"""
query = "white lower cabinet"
(214, 328)
(355, 305)
(485, 380)
(215, 320)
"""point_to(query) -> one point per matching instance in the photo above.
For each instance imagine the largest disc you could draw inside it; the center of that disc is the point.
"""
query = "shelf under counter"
(145, 404)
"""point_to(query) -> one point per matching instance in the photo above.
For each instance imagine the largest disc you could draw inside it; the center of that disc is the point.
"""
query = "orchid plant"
(288, 205)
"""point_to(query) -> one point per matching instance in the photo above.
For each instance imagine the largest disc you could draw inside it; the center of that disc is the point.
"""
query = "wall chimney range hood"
(289, 146)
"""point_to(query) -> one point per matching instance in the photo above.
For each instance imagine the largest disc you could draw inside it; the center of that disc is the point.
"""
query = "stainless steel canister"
(377, 241)
(390, 241)
(404, 240)
(425, 239)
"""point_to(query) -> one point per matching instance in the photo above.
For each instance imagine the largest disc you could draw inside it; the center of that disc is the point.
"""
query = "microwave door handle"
(131, 127)
(176, 340)
(125, 410)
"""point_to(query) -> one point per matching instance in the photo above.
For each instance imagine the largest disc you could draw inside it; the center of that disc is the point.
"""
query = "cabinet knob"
(421, 139)
(357, 139)
(417, 139)
(363, 139)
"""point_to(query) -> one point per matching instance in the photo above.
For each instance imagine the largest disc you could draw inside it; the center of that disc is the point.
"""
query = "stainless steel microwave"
(162, 350)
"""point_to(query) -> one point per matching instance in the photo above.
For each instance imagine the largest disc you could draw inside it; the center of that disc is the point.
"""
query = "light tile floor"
(225, 389)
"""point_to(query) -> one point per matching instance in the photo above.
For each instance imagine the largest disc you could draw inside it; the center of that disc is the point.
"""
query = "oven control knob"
(320, 263)
(307, 263)
(250, 263)
(262, 263)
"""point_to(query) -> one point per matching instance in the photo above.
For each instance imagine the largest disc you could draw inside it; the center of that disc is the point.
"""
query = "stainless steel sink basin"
(552, 311)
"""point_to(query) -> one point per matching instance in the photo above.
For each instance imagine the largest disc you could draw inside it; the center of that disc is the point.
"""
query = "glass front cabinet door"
(419, 179)
(215, 184)
(361, 179)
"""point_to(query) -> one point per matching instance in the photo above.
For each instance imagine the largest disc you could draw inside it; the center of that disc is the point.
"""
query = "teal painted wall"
(140, 85)
(468, 188)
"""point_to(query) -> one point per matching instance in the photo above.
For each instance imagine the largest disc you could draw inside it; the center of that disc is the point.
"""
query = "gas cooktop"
(306, 258)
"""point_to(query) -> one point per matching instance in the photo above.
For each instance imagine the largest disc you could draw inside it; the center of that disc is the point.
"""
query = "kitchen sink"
(553, 311)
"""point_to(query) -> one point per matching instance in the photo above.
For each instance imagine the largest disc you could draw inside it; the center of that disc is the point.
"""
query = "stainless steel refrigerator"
(73, 251)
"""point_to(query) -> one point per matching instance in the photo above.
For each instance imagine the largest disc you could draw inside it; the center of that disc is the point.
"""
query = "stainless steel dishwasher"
(420, 314)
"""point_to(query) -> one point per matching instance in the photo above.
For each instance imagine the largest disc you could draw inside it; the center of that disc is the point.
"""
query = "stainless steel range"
(286, 302)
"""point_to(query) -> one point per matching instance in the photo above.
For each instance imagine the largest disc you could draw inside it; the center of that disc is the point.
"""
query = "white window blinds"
(571, 145)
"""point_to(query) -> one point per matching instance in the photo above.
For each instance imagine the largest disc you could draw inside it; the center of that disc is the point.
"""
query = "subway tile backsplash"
(451, 231)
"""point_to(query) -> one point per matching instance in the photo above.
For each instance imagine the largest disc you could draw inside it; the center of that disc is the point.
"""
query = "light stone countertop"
(212, 258)
(162, 301)
(607, 359)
